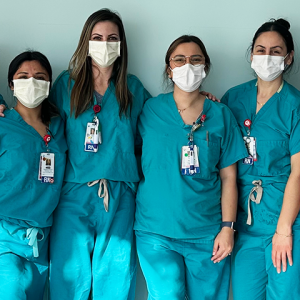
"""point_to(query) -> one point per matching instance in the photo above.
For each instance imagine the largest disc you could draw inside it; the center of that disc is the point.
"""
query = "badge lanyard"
(47, 162)
(93, 136)
(250, 143)
(189, 153)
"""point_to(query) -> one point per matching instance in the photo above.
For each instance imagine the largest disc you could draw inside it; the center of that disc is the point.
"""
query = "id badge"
(91, 138)
(189, 160)
(248, 160)
(46, 168)
(250, 143)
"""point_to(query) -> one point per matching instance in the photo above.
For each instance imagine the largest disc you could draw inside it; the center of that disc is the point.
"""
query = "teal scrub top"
(24, 200)
(115, 159)
(276, 128)
(168, 203)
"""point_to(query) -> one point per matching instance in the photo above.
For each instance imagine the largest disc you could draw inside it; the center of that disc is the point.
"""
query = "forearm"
(291, 205)
(229, 193)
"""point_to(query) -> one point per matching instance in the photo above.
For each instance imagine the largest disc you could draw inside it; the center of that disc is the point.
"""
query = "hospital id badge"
(248, 160)
(91, 142)
(46, 168)
(250, 143)
(189, 161)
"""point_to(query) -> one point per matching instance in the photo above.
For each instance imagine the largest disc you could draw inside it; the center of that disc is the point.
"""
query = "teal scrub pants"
(92, 251)
(178, 270)
(253, 274)
(22, 276)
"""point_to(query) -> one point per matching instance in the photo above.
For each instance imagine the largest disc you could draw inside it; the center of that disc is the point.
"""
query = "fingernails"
(214, 253)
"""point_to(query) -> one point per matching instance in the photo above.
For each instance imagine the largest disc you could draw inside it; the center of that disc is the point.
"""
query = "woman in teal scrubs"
(186, 202)
(92, 247)
(266, 260)
(32, 164)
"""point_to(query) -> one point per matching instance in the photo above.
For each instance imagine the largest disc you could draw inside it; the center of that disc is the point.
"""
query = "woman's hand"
(223, 244)
(2, 109)
(210, 96)
(282, 246)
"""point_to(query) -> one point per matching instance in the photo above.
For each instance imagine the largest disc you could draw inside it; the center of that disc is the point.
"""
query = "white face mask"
(31, 92)
(104, 54)
(188, 77)
(268, 67)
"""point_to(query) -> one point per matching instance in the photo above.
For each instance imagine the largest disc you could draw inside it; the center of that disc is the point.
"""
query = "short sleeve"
(232, 147)
(294, 143)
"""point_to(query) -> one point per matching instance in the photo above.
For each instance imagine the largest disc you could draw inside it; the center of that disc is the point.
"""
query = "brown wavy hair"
(80, 67)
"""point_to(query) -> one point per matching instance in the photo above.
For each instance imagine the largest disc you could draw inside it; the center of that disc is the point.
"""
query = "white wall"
(226, 28)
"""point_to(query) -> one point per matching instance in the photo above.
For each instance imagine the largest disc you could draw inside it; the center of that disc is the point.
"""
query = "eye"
(179, 59)
(97, 38)
(113, 38)
(23, 77)
(196, 59)
(40, 78)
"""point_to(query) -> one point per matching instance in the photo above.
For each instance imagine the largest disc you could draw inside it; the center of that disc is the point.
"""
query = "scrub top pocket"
(273, 158)
(209, 155)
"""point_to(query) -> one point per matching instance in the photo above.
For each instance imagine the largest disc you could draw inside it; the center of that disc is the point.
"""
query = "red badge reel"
(47, 139)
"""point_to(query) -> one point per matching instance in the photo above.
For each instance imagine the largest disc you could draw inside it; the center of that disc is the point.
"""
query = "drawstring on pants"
(259, 191)
(31, 235)
(102, 191)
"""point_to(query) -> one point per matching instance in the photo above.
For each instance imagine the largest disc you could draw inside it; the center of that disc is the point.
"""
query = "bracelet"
(283, 234)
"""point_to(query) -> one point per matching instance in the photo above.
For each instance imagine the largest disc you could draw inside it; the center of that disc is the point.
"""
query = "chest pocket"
(273, 158)
(22, 168)
(209, 156)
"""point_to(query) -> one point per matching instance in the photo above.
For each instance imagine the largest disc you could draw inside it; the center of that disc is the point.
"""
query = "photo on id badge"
(91, 138)
(46, 169)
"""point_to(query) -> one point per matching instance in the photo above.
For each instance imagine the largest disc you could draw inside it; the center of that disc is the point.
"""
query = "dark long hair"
(80, 67)
(280, 26)
(48, 109)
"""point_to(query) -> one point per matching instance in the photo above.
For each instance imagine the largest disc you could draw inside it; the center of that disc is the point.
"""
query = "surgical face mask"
(104, 54)
(31, 92)
(268, 67)
(188, 77)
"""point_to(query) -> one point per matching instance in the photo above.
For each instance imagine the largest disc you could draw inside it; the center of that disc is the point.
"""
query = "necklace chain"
(261, 104)
(183, 109)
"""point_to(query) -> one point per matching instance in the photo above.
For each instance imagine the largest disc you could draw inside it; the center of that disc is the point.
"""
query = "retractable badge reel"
(93, 136)
(189, 153)
(47, 165)
(250, 143)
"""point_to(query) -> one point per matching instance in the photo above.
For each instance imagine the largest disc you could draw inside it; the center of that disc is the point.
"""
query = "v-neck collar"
(106, 94)
(176, 114)
(265, 107)
(17, 117)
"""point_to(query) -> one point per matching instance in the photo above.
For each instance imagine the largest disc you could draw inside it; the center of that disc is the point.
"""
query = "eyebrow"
(189, 55)
(108, 35)
(270, 48)
(38, 73)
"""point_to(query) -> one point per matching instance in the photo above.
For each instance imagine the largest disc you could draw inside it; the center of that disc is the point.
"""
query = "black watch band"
(228, 224)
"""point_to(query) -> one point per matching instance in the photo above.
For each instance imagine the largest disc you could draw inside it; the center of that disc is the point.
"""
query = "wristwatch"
(229, 224)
